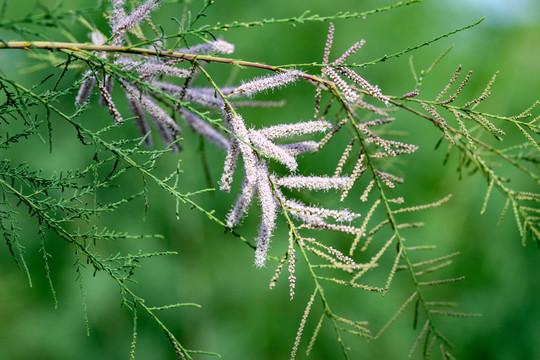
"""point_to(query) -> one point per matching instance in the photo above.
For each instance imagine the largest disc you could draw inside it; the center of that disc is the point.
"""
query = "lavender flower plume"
(350, 51)
(98, 38)
(272, 151)
(364, 84)
(204, 98)
(339, 215)
(205, 129)
(358, 170)
(291, 267)
(326, 59)
(313, 182)
(328, 44)
(228, 168)
(138, 112)
(391, 148)
(118, 3)
(118, 13)
(139, 14)
(331, 134)
(350, 95)
(332, 227)
(290, 130)
(167, 127)
(346, 260)
(210, 91)
(168, 135)
(85, 90)
(89, 81)
(301, 147)
(271, 82)
(238, 128)
(301, 327)
(307, 218)
(211, 47)
(260, 104)
(108, 85)
(156, 112)
(240, 208)
(109, 103)
(151, 69)
(343, 159)
(268, 218)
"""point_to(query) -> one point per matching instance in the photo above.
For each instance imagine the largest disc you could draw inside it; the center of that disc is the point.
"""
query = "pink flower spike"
(239, 130)
(240, 208)
(228, 168)
(138, 112)
(328, 44)
(268, 217)
(85, 90)
(290, 130)
(205, 129)
(149, 69)
(364, 84)
(301, 147)
(138, 15)
(118, 13)
(349, 94)
(313, 182)
(151, 107)
(109, 103)
(352, 50)
(204, 98)
(271, 82)
(339, 215)
(272, 151)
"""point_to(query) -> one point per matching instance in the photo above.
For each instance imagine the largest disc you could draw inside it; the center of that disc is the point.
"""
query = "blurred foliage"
(241, 318)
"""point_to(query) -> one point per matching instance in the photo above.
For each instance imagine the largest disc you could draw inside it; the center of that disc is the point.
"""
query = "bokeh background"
(241, 318)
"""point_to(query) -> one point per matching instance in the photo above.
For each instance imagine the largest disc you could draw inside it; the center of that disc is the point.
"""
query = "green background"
(241, 318)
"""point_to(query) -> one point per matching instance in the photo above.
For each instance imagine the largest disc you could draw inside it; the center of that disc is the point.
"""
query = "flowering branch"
(267, 157)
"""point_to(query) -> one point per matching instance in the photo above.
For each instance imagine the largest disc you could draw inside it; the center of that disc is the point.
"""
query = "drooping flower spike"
(148, 70)
(123, 23)
(88, 79)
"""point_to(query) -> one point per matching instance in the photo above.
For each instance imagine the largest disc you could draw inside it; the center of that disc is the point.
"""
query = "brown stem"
(70, 46)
